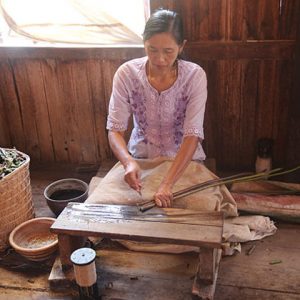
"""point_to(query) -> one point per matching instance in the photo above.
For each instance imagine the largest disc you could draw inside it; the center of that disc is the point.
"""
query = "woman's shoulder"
(133, 65)
(190, 71)
(189, 66)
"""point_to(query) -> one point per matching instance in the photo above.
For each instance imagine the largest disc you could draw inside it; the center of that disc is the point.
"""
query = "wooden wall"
(53, 102)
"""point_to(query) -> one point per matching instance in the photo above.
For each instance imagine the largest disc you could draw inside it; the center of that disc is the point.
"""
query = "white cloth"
(247, 228)
(112, 189)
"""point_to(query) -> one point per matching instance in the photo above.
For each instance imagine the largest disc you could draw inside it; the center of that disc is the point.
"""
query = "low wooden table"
(171, 226)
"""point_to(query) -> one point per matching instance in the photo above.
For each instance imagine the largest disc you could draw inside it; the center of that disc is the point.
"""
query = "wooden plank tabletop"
(173, 226)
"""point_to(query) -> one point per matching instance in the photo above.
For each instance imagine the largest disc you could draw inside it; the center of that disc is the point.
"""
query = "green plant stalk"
(177, 194)
(216, 182)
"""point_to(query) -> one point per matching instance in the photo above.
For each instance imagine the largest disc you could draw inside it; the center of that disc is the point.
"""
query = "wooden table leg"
(67, 244)
(207, 265)
(206, 277)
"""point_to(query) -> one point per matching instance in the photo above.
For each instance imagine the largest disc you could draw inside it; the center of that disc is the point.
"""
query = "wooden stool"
(171, 226)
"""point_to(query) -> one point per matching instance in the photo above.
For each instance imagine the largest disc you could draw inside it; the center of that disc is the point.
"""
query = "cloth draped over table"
(114, 190)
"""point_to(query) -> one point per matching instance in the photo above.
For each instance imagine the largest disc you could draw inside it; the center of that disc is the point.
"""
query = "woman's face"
(162, 50)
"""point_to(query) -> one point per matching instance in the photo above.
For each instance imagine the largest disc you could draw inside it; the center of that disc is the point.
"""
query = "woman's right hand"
(132, 169)
(132, 175)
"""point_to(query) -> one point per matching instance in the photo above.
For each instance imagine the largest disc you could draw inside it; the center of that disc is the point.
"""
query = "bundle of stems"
(241, 177)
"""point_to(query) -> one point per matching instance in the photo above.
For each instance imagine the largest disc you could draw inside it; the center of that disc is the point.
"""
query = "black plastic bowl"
(59, 193)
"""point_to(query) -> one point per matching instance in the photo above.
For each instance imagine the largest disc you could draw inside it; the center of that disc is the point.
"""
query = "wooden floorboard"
(131, 275)
(258, 271)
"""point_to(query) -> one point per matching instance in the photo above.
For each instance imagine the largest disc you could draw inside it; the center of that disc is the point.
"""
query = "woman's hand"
(132, 175)
(132, 169)
(164, 196)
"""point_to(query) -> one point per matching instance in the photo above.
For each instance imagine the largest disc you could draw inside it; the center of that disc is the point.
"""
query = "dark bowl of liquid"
(59, 193)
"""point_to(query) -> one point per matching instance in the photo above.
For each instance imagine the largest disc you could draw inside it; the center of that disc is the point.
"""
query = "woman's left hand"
(164, 196)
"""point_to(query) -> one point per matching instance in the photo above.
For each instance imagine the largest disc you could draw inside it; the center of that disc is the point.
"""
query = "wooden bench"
(171, 226)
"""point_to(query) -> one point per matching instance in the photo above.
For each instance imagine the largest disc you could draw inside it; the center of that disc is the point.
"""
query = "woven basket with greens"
(16, 204)
(10, 160)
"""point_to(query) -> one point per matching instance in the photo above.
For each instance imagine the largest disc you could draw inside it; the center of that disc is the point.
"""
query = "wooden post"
(67, 244)
(207, 265)
(205, 281)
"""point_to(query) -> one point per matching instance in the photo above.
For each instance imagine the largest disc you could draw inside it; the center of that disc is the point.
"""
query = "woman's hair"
(164, 20)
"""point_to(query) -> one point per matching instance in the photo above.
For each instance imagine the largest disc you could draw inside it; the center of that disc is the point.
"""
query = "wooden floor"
(272, 271)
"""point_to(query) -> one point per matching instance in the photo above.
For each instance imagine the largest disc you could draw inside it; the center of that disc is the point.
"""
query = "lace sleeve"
(194, 117)
(119, 106)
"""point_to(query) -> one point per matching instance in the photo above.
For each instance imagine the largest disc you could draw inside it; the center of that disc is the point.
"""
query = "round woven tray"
(16, 204)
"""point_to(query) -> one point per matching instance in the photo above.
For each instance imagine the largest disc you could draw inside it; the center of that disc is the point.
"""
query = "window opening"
(73, 22)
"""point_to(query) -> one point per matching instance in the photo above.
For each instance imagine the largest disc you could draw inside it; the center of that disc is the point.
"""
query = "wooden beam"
(241, 50)
(251, 49)
(66, 54)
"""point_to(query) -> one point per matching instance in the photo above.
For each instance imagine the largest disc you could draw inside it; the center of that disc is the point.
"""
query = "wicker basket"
(16, 204)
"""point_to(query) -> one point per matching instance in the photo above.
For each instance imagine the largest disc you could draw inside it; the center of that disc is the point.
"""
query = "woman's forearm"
(119, 147)
(164, 196)
(132, 169)
(182, 159)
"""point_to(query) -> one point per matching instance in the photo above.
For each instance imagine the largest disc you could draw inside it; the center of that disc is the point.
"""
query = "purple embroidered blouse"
(161, 120)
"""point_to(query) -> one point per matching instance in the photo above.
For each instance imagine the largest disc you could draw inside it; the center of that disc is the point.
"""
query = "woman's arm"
(132, 169)
(163, 196)
(193, 123)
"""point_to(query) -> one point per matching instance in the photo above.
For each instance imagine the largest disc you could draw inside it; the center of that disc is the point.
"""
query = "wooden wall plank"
(262, 18)
(28, 110)
(203, 19)
(56, 103)
(35, 81)
(289, 13)
(248, 114)
(229, 112)
(236, 26)
(282, 109)
(12, 116)
(4, 130)
(99, 106)
(71, 133)
(83, 114)
(196, 20)
(293, 128)
(217, 20)
(265, 103)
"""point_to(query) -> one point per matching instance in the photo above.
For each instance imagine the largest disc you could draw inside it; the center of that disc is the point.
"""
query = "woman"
(167, 97)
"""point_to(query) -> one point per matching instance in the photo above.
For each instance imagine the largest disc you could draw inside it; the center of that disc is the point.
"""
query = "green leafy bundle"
(10, 160)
